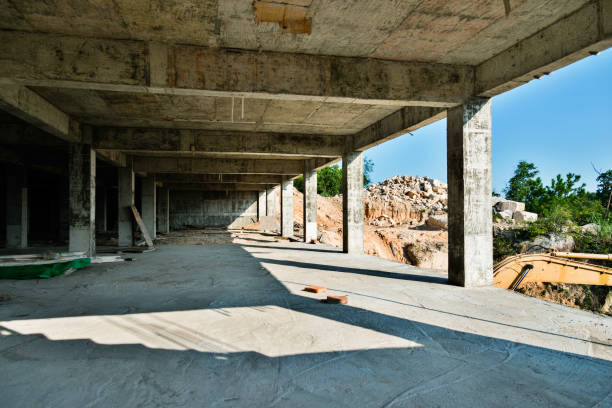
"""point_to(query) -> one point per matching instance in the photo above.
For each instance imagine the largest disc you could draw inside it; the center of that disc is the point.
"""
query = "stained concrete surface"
(229, 325)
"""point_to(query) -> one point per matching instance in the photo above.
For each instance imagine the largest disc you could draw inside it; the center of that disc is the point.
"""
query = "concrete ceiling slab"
(207, 112)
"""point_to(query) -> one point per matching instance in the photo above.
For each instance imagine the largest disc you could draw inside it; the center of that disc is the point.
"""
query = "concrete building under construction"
(201, 113)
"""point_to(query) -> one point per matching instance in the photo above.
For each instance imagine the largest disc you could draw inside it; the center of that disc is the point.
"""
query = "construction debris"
(336, 300)
(46, 265)
(315, 289)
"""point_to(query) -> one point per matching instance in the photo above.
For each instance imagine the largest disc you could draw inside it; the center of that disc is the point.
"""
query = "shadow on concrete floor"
(173, 363)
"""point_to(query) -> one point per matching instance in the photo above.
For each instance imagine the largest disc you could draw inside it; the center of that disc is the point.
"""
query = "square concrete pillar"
(271, 202)
(102, 210)
(163, 210)
(310, 201)
(64, 203)
(82, 199)
(126, 185)
(470, 240)
(352, 203)
(287, 207)
(16, 207)
(148, 202)
(261, 204)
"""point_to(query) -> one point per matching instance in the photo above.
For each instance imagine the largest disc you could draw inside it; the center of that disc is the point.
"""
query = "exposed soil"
(595, 298)
(408, 241)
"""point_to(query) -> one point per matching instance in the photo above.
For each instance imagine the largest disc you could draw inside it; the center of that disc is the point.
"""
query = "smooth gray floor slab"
(229, 325)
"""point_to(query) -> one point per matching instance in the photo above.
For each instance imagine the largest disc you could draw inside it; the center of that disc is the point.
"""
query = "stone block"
(524, 216)
(505, 215)
(438, 221)
(508, 205)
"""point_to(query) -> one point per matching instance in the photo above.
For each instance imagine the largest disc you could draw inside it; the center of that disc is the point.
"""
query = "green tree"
(564, 200)
(368, 168)
(329, 179)
(604, 190)
(524, 186)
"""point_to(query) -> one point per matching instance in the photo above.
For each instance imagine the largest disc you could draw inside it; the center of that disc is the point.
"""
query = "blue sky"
(562, 123)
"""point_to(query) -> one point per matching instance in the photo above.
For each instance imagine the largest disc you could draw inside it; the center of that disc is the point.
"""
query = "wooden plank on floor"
(142, 227)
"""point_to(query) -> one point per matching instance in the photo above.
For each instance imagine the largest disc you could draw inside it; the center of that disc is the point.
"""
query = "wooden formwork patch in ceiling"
(291, 15)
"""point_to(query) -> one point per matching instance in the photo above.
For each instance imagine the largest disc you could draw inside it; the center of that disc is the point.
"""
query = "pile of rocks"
(420, 192)
(513, 211)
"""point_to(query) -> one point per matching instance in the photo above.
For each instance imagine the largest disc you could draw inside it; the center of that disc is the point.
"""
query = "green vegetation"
(329, 179)
(564, 200)
(563, 206)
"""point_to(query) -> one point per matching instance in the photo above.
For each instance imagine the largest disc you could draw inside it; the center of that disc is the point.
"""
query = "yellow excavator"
(555, 267)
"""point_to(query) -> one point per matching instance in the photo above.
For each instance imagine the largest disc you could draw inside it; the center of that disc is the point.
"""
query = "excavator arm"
(556, 267)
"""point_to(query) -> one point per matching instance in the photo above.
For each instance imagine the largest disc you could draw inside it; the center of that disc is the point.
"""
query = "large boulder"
(524, 216)
(505, 215)
(590, 229)
(546, 243)
(508, 205)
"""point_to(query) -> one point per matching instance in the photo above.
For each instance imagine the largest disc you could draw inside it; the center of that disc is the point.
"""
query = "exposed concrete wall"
(148, 203)
(352, 202)
(82, 193)
(232, 209)
(163, 210)
(126, 184)
(470, 255)
(261, 204)
(287, 207)
(16, 207)
(310, 203)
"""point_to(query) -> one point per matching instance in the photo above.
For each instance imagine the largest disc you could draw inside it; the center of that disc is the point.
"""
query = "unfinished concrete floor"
(229, 325)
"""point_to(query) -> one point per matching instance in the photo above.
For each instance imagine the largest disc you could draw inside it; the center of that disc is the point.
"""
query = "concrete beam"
(217, 186)
(582, 33)
(30, 107)
(136, 66)
(400, 122)
(118, 159)
(217, 166)
(220, 178)
(146, 140)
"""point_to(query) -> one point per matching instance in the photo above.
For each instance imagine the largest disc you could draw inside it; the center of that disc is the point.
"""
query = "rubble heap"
(405, 200)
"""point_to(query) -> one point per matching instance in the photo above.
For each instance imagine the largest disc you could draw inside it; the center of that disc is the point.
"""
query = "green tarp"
(37, 271)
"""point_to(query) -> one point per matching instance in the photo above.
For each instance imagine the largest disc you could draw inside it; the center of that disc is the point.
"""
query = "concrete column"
(126, 184)
(352, 203)
(82, 199)
(287, 207)
(261, 204)
(271, 202)
(163, 210)
(148, 204)
(64, 203)
(16, 207)
(102, 210)
(310, 201)
(470, 241)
